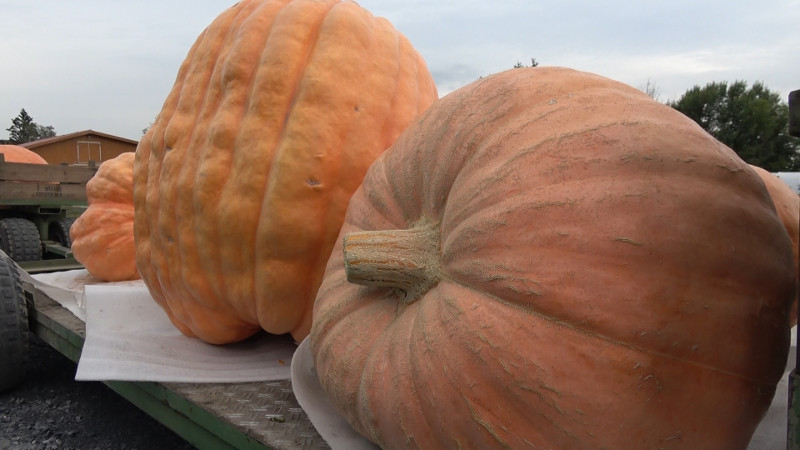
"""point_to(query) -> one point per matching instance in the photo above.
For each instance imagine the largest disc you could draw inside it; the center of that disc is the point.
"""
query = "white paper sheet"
(66, 287)
(328, 422)
(130, 338)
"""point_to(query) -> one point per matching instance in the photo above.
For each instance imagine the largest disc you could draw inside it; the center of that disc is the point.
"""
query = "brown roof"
(34, 144)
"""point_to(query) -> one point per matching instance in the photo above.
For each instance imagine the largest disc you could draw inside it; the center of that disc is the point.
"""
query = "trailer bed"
(256, 415)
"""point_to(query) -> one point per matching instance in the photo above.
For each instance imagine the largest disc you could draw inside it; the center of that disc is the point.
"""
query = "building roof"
(35, 144)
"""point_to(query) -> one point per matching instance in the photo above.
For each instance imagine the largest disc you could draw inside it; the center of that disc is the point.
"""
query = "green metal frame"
(66, 341)
(198, 426)
(61, 258)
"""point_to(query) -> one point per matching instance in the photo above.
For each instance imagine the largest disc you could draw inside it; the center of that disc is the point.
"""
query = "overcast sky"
(108, 65)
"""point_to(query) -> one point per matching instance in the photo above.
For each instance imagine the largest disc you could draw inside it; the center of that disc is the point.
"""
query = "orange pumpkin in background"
(102, 237)
(19, 154)
(241, 184)
(787, 203)
(551, 259)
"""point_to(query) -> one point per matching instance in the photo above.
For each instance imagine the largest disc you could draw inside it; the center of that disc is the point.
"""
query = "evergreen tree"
(24, 129)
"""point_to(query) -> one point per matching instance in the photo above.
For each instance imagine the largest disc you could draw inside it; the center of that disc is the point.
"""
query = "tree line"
(753, 121)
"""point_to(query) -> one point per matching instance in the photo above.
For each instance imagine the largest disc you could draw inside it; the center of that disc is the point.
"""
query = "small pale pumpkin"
(551, 259)
(240, 185)
(102, 237)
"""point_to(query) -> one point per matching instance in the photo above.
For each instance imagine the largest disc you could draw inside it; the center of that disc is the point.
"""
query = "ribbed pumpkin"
(102, 237)
(551, 259)
(19, 154)
(241, 183)
(787, 203)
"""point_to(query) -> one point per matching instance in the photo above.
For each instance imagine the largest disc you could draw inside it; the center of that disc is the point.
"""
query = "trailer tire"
(19, 239)
(59, 231)
(14, 330)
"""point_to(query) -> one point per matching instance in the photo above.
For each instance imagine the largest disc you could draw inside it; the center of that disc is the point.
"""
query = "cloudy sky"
(108, 65)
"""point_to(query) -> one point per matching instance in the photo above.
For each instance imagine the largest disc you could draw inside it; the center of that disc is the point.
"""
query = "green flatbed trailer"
(38, 204)
(258, 415)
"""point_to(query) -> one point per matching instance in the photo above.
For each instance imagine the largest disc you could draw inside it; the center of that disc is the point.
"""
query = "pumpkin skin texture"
(586, 254)
(787, 203)
(19, 154)
(241, 184)
(102, 237)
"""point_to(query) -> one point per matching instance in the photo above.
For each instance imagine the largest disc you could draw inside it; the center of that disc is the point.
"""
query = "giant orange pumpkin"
(102, 237)
(551, 259)
(241, 183)
(19, 154)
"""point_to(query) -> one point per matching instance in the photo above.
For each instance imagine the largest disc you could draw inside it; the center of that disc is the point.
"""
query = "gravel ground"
(53, 411)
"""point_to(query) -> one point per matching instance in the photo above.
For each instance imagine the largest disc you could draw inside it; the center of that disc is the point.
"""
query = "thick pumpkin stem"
(406, 260)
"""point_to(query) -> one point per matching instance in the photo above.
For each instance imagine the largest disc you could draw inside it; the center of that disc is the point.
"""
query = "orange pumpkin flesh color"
(787, 203)
(596, 271)
(241, 184)
(19, 154)
(102, 237)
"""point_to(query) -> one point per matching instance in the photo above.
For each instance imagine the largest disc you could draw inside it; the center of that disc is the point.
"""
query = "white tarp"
(130, 338)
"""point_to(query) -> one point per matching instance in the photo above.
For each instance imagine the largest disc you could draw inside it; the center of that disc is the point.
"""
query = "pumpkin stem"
(406, 260)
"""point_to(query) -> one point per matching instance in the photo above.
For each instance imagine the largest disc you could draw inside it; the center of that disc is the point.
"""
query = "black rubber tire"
(14, 331)
(59, 231)
(19, 239)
